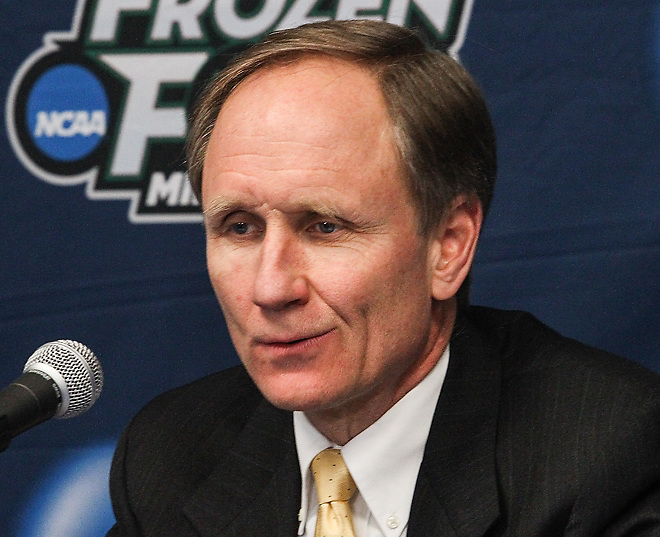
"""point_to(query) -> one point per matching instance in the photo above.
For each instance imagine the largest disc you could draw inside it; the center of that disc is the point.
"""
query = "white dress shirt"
(383, 460)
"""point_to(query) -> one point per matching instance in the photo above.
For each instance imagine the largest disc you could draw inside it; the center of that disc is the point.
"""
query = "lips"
(289, 340)
(290, 343)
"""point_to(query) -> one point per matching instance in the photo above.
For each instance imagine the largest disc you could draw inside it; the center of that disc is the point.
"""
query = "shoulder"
(179, 443)
(559, 377)
(181, 434)
(210, 396)
(188, 415)
(529, 348)
(574, 422)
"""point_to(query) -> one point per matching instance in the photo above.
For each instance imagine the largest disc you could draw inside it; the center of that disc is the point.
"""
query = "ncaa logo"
(66, 113)
(106, 103)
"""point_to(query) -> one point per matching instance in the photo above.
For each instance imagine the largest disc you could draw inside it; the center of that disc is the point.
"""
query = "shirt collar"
(384, 459)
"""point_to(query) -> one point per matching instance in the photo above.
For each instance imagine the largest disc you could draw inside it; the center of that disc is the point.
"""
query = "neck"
(339, 425)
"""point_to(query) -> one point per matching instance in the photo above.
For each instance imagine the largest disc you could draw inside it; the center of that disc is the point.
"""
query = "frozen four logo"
(106, 103)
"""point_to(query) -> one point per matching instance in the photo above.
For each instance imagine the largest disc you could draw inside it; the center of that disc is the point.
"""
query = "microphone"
(61, 379)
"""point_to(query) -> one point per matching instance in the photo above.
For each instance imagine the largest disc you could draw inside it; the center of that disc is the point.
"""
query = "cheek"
(347, 292)
(230, 285)
(373, 283)
(216, 272)
(399, 301)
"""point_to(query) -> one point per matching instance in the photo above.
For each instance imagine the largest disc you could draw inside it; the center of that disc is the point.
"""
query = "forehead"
(316, 119)
(322, 92)
(326, 105)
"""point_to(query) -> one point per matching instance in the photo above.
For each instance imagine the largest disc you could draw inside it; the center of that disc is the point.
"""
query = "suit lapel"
(456, 492)
(255, 490)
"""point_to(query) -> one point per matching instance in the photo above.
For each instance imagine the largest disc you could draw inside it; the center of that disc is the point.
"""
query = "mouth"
(291, 343)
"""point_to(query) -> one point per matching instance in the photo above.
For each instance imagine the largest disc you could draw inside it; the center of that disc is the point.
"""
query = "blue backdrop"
(111, 252)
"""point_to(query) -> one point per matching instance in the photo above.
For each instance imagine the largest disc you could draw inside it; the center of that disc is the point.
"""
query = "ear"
(454, 245)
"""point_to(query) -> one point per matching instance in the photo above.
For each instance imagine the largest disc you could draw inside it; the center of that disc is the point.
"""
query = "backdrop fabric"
(103, 243)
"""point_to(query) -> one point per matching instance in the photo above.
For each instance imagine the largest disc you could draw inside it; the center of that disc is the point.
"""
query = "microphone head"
(76, 371)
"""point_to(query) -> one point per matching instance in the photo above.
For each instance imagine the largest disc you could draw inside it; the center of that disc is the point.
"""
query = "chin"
(296, 395)
(293, 401)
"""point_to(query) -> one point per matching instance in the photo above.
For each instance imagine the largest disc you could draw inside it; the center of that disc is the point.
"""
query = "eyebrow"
(221, 206)
(224, 205)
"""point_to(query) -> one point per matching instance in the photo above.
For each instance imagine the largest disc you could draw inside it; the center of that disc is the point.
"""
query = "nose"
(279, 280)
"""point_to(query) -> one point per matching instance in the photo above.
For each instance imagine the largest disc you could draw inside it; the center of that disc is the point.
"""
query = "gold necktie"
(334, 486)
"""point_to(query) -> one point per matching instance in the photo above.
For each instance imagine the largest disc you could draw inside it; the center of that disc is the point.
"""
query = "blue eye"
(240, 228)
(326, 227)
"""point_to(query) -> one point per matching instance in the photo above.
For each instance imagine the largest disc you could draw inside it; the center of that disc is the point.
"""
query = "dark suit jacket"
(533, 435)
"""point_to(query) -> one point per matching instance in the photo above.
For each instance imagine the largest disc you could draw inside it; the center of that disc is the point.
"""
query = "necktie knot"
(333, 481)
(334, 486)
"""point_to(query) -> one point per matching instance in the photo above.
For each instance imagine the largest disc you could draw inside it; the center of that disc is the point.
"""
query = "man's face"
(312, 242)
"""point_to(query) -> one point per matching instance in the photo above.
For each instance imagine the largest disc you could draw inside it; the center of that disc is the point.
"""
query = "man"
(344, 171)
